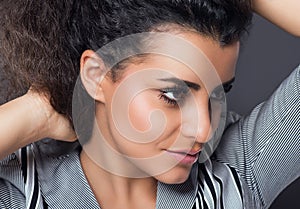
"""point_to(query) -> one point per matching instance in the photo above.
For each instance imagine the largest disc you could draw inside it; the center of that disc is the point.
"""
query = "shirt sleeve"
(264, 146)
(11, 183)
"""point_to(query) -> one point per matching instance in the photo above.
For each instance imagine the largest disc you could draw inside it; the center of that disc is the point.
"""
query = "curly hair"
(42, 40)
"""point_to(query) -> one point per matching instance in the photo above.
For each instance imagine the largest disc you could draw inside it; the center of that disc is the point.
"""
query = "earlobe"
(92, 72)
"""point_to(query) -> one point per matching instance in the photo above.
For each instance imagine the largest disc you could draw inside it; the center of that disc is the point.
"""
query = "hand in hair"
(33, 118)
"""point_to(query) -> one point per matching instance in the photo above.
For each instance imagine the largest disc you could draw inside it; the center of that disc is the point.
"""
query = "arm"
(283, 13)
(28, 119)
(264, 146)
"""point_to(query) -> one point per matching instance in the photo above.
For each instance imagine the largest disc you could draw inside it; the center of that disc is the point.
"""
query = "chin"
(174, 176)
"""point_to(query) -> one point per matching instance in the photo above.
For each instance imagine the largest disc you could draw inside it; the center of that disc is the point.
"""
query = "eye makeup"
(218, 94)
(174, 96)
(180, 82)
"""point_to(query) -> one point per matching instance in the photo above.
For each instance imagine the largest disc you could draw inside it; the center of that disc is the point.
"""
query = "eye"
(173, 96)
(218, 94)
(227, 88)
(170, 95)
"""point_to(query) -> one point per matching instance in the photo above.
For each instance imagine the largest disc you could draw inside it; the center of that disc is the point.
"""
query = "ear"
(92, 72)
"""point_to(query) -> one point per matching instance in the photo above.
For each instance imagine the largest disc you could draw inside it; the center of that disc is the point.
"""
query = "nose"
(196, 121)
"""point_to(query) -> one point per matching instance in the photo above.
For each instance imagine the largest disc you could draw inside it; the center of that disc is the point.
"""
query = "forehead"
(222, 58)
(189, 55)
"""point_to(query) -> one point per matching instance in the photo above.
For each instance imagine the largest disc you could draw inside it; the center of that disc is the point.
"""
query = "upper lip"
(185, 152)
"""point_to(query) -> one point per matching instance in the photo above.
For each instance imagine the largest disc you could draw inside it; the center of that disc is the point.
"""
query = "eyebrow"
(226, 85)
(180, 82)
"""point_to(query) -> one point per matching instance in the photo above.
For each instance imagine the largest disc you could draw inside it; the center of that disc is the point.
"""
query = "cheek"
(140, 109)
(146, 111)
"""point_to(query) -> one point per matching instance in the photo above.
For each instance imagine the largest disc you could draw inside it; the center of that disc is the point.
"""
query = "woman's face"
(158, 113)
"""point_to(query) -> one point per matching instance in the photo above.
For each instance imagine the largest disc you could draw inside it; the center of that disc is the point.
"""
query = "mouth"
(184, 157)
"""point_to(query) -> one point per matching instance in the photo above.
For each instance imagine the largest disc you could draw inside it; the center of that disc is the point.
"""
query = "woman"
(235, 177)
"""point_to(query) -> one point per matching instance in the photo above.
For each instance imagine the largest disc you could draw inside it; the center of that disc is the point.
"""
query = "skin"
(123, 189)
(284, 14)
(281, 13)
(35, 120)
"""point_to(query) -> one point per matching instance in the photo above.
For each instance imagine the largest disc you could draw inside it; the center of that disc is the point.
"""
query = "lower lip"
(184, 158)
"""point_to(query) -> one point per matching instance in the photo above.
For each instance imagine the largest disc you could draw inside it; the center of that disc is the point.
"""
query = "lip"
(183, 156)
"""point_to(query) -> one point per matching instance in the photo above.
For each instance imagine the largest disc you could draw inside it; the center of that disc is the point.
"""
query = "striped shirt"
(256, 159)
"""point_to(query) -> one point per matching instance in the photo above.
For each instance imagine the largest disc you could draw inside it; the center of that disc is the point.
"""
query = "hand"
(28, 119)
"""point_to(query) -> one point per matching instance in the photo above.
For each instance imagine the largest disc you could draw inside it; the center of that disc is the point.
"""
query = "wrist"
(38, 116)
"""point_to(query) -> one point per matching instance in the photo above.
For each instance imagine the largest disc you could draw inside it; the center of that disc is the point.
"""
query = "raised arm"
(283, 13)
(264, 146)
(28, 119)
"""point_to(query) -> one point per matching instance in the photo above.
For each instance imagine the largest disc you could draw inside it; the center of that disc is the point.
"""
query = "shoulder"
(11, 183)
(10, 169)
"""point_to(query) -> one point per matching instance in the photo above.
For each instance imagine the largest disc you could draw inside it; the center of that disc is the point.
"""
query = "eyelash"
(167, 100)
(227, 88)
(173, 102)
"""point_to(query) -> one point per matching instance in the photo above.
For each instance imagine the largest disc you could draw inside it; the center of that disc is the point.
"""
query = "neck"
(113, 191)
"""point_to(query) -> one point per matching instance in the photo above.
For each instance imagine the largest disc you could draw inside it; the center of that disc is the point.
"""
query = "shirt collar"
(63, 182)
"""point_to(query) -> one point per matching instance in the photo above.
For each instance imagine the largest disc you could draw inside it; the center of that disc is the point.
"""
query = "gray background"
(268, 55)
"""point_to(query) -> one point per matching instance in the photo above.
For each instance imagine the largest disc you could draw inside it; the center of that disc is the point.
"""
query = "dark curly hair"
(42, 40)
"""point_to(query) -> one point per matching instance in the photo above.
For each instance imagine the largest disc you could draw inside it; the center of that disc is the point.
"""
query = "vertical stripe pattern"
(33, 196)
